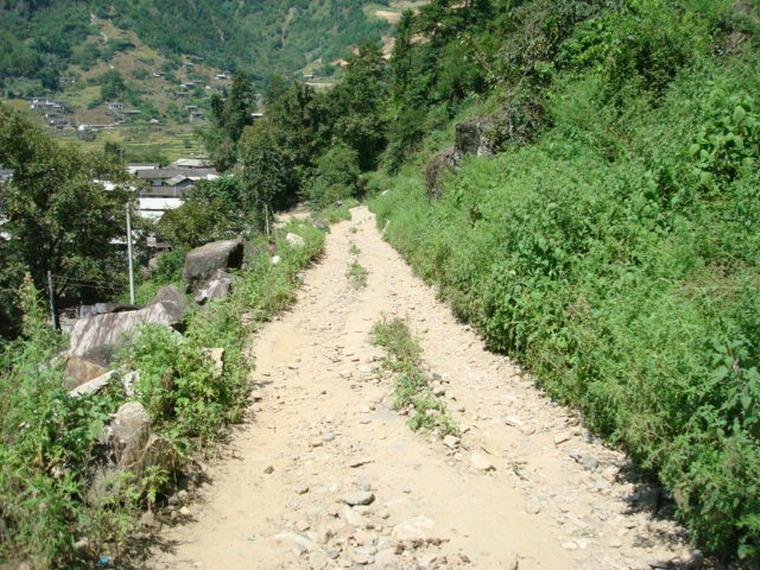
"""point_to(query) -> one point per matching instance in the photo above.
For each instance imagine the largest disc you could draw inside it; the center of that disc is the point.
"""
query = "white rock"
(481, 463)
(295, 240)
(359, 498)
(451, 441)
(414, 530)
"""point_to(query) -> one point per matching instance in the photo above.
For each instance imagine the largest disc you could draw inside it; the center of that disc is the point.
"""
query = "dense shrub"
(618, 258)
(49, 443)
(337, 177)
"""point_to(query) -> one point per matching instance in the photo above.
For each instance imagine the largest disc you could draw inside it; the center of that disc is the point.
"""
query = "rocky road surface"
(327, 475)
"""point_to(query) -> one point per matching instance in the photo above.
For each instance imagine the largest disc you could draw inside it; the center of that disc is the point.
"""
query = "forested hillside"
(262, 38)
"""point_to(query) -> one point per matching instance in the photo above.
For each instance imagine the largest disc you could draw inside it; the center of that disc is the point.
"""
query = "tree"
(229, 117)
(239, 106)
(212, 210)
(264, 172)
(337, 176)
(358, 105)
(58, 215)
(112, 85)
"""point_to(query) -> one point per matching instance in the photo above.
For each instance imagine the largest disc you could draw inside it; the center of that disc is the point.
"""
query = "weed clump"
(413, 392)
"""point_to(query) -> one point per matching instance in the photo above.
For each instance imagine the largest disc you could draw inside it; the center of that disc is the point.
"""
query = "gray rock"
(128, 433)
(217, 286)
(294, 240)
(216, 356)
(86, 311)
(320, 224)
(173, 301)
(359, 498)
(589, 463)
(201, 262)
(475, 137)
(95, 339)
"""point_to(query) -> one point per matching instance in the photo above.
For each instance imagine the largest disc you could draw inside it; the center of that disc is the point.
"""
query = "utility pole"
(51, 294)
(129, 254)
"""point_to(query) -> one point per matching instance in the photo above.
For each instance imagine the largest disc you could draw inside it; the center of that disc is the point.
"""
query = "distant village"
(162, 188)
(165, 187)
(57, 115)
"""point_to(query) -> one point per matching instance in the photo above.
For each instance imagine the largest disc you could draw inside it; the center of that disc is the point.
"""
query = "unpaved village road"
(323, 428)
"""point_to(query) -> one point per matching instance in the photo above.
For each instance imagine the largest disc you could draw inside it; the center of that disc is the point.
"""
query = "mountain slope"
(259, 37)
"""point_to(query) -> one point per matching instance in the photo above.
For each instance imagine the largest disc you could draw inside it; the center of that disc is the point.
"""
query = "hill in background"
(146, 69)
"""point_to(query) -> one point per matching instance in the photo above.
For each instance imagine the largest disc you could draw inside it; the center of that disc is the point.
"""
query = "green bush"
(337, 177)
(49, 442)
(617, 258)
(48, 450)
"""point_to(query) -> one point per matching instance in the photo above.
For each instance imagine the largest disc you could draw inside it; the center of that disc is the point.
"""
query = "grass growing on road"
(357, 273)
(413, 393)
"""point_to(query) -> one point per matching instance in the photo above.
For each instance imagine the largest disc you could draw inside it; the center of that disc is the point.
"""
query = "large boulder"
(294, 240)
(217, 286)
(95, 339)
(103, 309)
(173, 301)
(80, 370)
(518, 122)
(201, 262)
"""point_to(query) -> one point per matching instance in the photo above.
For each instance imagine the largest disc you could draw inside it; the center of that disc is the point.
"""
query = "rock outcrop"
(434, 171)
(203, 261)
(217, 286)
(94, 340)
(128, 433)
(476, 137)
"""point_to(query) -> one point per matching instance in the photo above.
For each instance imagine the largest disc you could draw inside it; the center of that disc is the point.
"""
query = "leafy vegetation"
(357, 275)
(50, 454)
(413, 392)
(58, 217)
(610, 244)
(614, 251)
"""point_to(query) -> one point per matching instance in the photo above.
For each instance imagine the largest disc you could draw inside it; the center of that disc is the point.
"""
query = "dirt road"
(541, 493)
